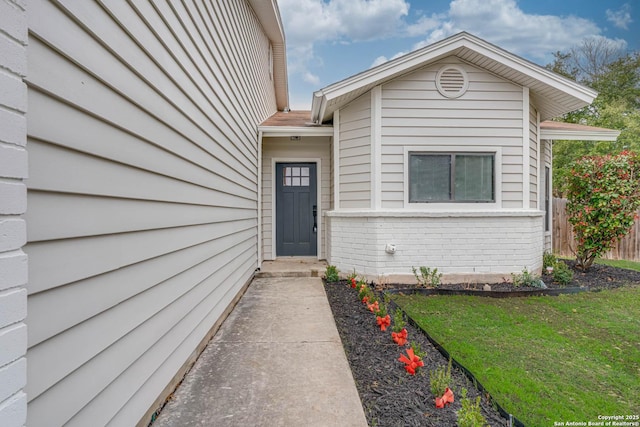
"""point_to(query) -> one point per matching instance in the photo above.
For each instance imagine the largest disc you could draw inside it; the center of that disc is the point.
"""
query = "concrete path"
(277, 360)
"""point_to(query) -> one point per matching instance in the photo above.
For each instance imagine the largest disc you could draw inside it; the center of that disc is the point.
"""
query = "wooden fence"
(628, 248)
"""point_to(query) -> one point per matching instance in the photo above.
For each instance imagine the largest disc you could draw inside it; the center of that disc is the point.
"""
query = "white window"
(451, 177)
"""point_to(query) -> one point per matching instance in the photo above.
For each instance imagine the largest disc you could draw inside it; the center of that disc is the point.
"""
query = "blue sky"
(328, 40)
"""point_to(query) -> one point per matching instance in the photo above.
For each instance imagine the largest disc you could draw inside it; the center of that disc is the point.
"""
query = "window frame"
(453, 205)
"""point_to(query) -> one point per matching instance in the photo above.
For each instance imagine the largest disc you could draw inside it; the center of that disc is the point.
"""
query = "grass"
(619, 263)
(544, 359)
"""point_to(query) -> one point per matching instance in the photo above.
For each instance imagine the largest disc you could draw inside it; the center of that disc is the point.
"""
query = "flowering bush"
(604, 194)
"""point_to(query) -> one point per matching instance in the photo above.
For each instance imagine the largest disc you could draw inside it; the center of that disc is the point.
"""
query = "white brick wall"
(13, 203)
(480, 246)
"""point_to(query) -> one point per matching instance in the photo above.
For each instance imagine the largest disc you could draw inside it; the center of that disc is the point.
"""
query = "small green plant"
(331, 274)
(526, 278)
(417, 350)
(562, 273)
(427, 277)
(352, 275)
(398, 320)
(548, 260)
(440, 379)
(470, 414)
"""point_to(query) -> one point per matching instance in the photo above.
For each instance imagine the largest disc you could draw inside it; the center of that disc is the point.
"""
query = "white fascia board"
(419, 58)
(280, 131)
(535, 71)
(572, 135)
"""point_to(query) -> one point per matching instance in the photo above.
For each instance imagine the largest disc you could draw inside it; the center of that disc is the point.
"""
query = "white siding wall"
(13, 203)
(533, 157)
(355, 154)
(478, 246)
(142, 195)
(283, 148)
(414, 114)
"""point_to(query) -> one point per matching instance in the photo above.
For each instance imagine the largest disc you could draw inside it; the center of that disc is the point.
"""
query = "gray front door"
(296, 210)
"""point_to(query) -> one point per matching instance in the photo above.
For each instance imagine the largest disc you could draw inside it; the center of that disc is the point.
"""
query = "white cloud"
(382, 59)
(503, 23)
(311, 78)
(308, 22)
(620, 18)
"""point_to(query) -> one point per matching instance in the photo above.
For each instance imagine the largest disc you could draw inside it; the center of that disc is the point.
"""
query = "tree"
(604, 194)
(602, 65)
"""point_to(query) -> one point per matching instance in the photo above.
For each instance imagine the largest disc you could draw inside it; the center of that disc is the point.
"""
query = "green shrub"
(470, 414)
(562, 273)
(440, 379)
(548, 260)
(427, 277)
(331, 274)
(352, 276)
(527, 278)
(603, 195)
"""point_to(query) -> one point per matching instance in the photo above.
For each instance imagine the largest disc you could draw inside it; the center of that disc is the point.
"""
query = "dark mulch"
(390, 396)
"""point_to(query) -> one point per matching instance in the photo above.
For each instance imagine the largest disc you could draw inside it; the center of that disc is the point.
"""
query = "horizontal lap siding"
(355, 154)
(414, 114)
(142, 195)
(283, 148)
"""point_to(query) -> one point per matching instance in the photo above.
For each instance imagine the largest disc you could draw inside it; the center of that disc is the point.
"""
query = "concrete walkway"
(277, 360)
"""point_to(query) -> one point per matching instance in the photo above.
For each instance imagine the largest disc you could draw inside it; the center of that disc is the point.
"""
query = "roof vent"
(452, 81)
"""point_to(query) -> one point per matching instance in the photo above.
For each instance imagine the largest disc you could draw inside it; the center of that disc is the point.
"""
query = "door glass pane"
(429, 177)
(474, 177)
(305, 181)
(295, 181)
(304, 171)
(295, 171)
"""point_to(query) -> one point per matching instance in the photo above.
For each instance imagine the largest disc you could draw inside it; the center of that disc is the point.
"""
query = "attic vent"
(452, 81)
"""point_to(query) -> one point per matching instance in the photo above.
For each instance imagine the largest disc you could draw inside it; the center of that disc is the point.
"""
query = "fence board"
(563, 240)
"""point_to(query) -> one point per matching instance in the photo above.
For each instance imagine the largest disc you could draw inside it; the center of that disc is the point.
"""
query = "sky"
(329, 40)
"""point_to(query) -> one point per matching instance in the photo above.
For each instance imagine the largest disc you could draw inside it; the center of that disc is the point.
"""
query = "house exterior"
(148, 168)
(439, 158)
(132, 228)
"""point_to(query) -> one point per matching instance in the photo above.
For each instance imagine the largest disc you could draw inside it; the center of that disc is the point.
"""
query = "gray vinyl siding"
(533, 157)
(355, 154)
(142, 195)
(307, 147)
(414, 114)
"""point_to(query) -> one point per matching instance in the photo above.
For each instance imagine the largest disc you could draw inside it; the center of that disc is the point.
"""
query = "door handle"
(315, 222)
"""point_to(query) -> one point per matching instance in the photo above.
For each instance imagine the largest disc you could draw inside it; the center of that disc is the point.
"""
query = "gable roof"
(269, 16)
(552, 93)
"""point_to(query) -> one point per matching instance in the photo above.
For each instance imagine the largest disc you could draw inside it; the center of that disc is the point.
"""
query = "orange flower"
(412, 362)
(375, 307)
(446, 398)
(353, 282)
(383, 322)
(400, 338)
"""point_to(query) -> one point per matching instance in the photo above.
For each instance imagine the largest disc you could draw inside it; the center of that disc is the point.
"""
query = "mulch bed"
(390, 396)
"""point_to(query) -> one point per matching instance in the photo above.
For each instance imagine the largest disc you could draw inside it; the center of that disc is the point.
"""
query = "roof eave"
(285, 131)
(578, 96)
(579, 135)
(269, 16)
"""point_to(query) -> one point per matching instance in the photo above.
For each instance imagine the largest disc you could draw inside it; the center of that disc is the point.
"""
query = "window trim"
(453, 205)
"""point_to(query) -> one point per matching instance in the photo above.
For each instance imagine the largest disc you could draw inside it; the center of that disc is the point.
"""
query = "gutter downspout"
(259, 185)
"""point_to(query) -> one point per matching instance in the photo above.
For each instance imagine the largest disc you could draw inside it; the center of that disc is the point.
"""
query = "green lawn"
(620, 263)
(544, 359)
